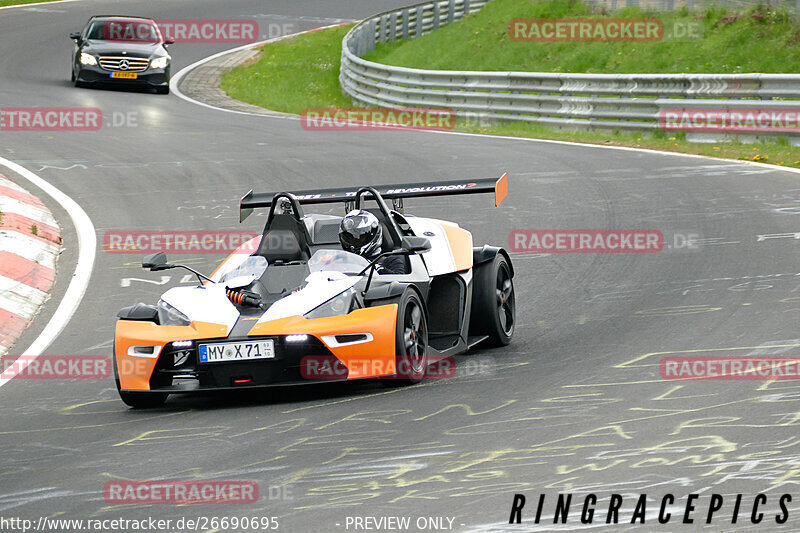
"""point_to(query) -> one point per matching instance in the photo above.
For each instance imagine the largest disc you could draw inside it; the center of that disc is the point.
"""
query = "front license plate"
(237, 351)
(125, 75)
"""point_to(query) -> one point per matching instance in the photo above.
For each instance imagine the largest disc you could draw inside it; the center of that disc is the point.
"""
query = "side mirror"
(416, 244)
(156, 261)
(76, 35)
(169, 41)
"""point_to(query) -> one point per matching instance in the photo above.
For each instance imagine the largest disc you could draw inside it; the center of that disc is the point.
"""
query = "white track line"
(87, 249)
(177, 77)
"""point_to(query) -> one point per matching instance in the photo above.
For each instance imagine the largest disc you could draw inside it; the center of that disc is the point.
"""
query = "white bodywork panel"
(208, 303)
(439, 259)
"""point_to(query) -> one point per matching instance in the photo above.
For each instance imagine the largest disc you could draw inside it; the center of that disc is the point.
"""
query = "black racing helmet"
(360, 233)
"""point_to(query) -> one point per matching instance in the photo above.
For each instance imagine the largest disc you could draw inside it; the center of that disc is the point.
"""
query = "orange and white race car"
(292, 306)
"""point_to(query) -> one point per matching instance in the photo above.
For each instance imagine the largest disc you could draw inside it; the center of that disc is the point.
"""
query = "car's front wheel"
(143, 400)
(411, 352)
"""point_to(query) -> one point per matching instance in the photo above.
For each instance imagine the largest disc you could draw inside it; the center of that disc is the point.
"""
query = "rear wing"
(498, 186)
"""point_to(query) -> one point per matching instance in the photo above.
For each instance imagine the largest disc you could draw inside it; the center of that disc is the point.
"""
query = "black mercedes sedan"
(127, 51)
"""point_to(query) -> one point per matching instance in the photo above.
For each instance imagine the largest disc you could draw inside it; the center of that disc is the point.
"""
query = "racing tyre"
(137, 400)
(493, 307)
(412, 339)
(162, 90)
(72, 77)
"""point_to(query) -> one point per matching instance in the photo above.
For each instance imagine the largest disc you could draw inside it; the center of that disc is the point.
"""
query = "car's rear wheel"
(411, 352)
(162, 90)
(137, 400)
(72, 78)
(493, 302)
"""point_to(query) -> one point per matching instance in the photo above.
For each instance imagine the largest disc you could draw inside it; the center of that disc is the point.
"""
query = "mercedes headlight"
(341, 304)
(88, 59)
(159, 62)
(170, 316)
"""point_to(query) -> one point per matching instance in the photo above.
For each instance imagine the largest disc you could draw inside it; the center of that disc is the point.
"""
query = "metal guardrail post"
(436, 15)
(382, 29)
(451, 11)
(421, 16)
(393, 27)
(372, 27)
(406, 15)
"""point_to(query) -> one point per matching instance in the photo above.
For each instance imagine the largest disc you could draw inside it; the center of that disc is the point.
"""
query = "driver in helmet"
(360, 233)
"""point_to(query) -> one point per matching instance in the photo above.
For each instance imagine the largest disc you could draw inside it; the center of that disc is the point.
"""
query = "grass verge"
(726, 42)
(293, 74)
(302, 72)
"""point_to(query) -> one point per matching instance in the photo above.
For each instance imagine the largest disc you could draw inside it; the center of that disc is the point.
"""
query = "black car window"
(124, 30)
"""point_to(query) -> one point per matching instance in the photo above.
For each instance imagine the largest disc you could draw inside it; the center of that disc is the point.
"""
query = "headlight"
(159, 62)
(88, 59)
(341, 304)
(170, 316)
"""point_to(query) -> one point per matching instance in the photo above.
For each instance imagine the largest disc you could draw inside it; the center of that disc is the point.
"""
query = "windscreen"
(124, 30)
(331, 260)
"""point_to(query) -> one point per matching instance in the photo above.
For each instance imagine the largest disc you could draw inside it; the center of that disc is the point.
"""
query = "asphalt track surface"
(570, 406)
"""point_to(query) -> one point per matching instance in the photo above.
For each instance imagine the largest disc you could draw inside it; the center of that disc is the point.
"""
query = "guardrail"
(586, 101)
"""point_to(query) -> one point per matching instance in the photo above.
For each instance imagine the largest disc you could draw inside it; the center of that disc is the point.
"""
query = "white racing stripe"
(4, 182)
(20, 299)
(28, 247)
(87, 250)
(12, 205)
